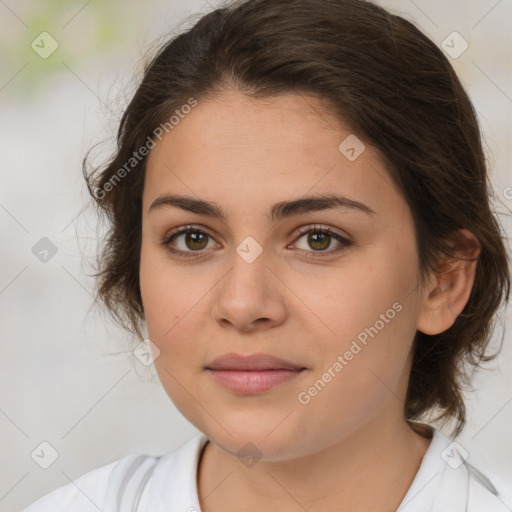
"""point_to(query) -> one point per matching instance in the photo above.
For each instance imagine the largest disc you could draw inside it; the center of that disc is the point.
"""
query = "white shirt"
(445, 482)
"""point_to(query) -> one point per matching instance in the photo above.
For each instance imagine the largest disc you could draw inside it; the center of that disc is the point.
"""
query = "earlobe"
(447, 295)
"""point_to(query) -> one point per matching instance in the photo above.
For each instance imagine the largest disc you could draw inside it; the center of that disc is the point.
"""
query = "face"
(328, 289)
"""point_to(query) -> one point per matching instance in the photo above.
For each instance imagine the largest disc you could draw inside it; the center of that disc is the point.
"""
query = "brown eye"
(192, 242)
(319, 239)
(187, 241)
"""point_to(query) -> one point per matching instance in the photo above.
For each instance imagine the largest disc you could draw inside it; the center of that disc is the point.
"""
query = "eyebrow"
(278, 211)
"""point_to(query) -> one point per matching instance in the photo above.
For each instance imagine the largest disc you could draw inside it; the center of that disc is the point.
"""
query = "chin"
(254, 436)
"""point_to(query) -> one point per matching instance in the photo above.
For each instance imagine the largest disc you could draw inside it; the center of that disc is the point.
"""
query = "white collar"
(172, 486)
(441, 483)
(426, 484)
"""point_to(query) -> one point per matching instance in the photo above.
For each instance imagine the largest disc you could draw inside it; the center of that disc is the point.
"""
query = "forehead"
(234, 122)
(232, 148)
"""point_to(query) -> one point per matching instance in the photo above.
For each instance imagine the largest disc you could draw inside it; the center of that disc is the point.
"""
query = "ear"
(448, 290)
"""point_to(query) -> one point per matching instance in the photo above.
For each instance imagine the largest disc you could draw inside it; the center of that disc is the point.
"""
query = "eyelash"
(345, 243)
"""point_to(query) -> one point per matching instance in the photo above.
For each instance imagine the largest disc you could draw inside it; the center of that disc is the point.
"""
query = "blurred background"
(72, 395)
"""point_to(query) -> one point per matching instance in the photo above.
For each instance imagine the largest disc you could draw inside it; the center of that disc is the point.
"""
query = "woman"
(300, 218)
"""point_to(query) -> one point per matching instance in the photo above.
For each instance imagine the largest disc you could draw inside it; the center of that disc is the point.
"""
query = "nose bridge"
(247, 293)
(248, 265)
(249, 250)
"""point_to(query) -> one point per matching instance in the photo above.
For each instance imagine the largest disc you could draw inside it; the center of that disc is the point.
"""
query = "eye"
(320, 239)
(188, 241)
(191, 241)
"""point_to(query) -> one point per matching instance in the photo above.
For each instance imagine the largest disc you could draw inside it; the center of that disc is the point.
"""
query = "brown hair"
(393, 87)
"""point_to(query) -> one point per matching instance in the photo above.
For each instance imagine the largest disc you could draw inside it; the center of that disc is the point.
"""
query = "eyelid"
(188, 227)
(319, 227)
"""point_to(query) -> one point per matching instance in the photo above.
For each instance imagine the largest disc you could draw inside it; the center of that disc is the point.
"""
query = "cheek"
(354, 298)
(172, 309)
(175, 301)
(165, 290)
(364, 367)
(369, 310)
(163, 296)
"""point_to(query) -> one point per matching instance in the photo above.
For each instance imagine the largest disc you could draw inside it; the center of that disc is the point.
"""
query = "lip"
(252, 374)
(251, 362)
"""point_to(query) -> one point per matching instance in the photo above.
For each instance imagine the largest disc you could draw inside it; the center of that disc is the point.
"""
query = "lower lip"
(253, 382)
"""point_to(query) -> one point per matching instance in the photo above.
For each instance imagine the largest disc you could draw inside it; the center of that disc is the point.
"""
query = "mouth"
(253, 374)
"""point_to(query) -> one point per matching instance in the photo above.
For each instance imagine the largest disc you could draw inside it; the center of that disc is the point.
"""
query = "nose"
(250, 296)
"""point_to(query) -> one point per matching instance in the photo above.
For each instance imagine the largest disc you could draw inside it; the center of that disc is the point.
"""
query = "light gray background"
(57, 382)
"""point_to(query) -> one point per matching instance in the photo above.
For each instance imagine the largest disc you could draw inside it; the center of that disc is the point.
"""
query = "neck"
(371, 469)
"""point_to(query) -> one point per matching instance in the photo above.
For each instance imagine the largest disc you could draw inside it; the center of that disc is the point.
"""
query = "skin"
(349, 448)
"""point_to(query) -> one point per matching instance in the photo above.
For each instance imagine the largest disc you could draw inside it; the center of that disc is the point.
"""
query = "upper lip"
(251, 362)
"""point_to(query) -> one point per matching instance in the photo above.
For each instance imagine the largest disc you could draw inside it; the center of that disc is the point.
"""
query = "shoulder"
(122, 483)
(82, 494)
